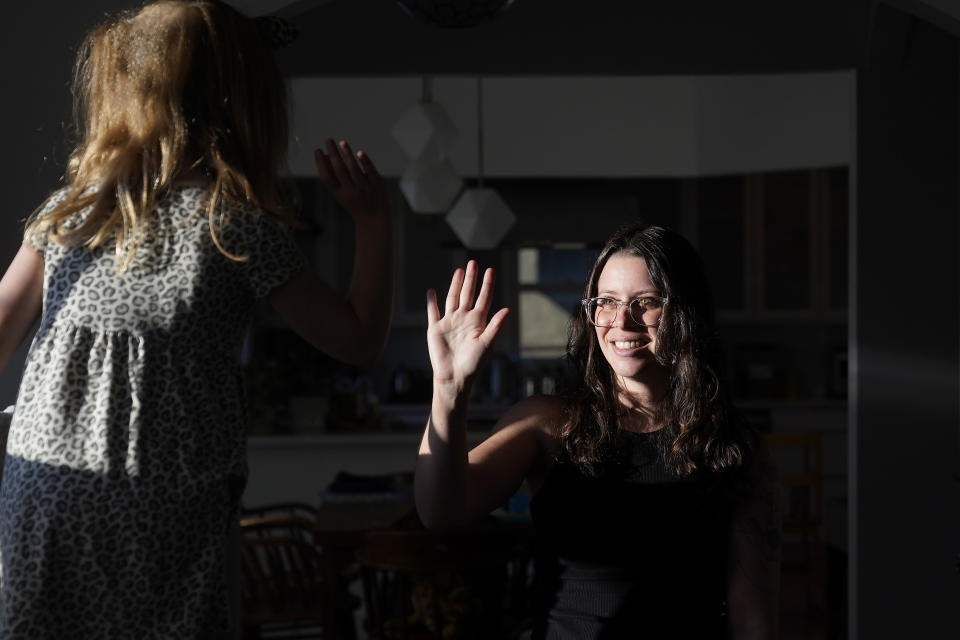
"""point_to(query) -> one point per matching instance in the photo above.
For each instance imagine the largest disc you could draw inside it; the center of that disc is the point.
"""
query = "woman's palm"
(460, 339)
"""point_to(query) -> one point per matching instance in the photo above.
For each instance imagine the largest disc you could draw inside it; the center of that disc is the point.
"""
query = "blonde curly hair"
(177, 87)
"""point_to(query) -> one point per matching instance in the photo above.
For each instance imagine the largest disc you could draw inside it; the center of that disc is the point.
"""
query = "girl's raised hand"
(353, 179)
(459, 340)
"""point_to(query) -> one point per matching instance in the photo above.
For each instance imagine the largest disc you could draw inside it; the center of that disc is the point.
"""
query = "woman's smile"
(628, 347)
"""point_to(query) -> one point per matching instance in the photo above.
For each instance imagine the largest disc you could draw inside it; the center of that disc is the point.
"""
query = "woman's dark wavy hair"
(701, 430)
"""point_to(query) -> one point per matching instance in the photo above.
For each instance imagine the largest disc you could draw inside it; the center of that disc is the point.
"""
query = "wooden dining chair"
(421, 584)
(287, 588)
(294, 509)
(799, 459)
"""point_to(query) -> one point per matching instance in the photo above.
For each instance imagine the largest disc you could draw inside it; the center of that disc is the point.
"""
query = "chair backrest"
(799, 460)
(282, 570)
(438, 583)
(297, 509)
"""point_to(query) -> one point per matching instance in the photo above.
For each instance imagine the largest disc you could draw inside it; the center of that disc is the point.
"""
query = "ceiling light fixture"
(480, 217)
(454, 13)
(425, 132)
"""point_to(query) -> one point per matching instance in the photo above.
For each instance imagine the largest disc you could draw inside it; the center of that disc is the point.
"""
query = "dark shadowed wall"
(906, 519)
(38, 47)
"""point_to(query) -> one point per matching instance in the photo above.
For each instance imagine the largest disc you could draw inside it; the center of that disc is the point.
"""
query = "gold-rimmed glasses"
(644, 310)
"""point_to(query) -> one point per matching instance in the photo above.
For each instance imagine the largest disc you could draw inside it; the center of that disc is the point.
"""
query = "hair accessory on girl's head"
(276, 30)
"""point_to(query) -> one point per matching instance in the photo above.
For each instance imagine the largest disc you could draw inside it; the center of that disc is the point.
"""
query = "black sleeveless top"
(630, 552)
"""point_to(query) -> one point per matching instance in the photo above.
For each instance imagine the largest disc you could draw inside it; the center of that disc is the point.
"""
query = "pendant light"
(425, 132)
(480, 217)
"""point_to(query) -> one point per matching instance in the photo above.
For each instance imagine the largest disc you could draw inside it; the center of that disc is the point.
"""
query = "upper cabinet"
(774, 244)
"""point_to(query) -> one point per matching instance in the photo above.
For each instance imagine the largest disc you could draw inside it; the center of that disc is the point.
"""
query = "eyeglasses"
(645, 310)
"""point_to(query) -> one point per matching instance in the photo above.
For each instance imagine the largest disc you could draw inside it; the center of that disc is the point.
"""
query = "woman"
(652, 513)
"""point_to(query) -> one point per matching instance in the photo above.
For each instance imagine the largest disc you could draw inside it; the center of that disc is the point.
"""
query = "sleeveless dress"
(630, 552)
(126, 456)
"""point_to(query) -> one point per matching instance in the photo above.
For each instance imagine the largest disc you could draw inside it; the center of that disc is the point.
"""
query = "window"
(551, 281)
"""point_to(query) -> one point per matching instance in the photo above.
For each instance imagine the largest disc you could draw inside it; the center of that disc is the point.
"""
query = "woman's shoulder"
(541, 411)
(539, 417)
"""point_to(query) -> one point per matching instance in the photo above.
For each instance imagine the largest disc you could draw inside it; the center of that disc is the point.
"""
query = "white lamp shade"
(480, 218)
(430, 185)
(424, 127)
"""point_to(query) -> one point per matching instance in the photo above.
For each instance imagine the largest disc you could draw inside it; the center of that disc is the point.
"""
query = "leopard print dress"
(126, 456)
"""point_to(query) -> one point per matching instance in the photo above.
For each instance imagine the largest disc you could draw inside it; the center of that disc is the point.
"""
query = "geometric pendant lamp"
(424, 128)
(426, 132)
(480, 217)
(430, 184)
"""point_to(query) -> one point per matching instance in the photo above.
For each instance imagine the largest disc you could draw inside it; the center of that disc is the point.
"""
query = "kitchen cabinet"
(426, 253)
(774, 244)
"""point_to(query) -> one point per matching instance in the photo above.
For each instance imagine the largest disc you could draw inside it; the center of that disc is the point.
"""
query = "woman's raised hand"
(353, 180)
(460, 339)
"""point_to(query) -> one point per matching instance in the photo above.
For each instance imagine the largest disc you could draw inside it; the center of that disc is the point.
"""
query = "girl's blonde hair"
(179, 86)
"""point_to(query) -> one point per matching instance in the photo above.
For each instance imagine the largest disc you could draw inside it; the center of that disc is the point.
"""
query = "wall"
(38, 48)
(573, 37)
(299, 468)
(594, 126)
(905, 367)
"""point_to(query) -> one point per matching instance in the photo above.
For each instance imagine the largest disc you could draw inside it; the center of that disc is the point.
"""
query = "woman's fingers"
(493, 327)
(460, 294)
(485, 297)
(453, 293)
(433, 313)
(469, 286)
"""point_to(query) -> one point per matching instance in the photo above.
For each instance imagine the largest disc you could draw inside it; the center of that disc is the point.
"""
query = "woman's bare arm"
(453, 486)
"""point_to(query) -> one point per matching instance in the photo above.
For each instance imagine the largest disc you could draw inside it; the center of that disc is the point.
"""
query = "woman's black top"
(629, 552)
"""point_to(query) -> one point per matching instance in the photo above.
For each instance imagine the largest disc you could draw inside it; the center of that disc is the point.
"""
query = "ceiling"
(564, 37)
(259, 7)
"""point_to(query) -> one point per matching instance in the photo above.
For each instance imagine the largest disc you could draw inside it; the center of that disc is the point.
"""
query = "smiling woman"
(651, 506)
(628, 340)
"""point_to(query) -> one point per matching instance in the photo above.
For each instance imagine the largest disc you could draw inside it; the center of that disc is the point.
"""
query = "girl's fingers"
(336, 162)
(369, 169)
(433, 313)
(324, 169)
(350, 161)
(485, 297)
(469, 285)
(453, 294)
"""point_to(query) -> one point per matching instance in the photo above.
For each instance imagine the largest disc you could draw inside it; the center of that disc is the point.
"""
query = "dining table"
(344, 520)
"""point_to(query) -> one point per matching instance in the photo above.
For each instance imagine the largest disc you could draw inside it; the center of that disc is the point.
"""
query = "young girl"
(652, 516)
(126, 455)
